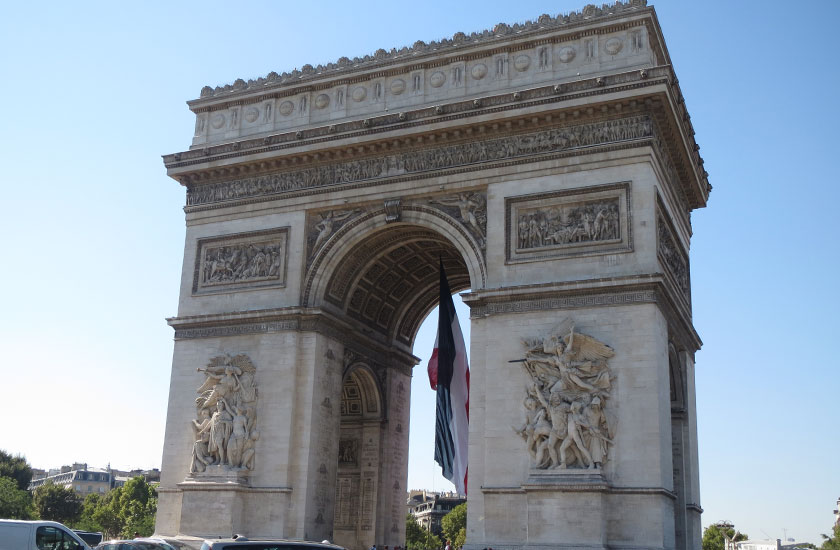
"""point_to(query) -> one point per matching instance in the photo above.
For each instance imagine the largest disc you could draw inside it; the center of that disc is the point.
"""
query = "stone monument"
(552, 167)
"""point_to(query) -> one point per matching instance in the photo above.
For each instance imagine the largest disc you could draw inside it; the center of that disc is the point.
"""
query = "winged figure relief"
(567, 423)
(226, 408)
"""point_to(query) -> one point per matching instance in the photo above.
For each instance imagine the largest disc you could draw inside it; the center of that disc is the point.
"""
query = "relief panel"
(671, 254)
(568, 223)
(244, 260)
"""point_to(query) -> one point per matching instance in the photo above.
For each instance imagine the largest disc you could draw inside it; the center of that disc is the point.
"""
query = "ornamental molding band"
(226, 417)
(568, 418)
(245, 260)
(574, 222)
(428, 160)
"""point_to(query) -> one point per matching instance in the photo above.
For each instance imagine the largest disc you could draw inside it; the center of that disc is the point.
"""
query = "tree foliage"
(832, 542)
(55, 503)
(16, 468)
(14, 503)
(454, 525)
(714, 535)
(121, 512)
(417, 538)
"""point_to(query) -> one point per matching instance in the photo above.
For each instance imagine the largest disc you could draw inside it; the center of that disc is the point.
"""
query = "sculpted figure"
(597, 432)
(239, 435)
(574, 422)
(220, 429)
(471, 207)
(325, 226)
(201, 455)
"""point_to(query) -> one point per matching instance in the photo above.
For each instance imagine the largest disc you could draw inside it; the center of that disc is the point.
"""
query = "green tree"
(714, 535)
(417, 538)
(123, 511)
(86, 520)
(454, 525)
(832, 542)
(16, 468)
(106, 513)
(15, 503)
(55, 503)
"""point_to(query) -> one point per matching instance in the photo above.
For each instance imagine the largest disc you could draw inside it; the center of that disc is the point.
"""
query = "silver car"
(135, 544)
(242, 543)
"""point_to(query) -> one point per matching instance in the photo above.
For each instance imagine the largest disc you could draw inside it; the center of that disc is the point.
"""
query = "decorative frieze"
(426, 160)
(244, 260)
(595, 220)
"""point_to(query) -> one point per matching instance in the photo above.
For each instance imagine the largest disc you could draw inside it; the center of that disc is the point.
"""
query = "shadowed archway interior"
(390, 281)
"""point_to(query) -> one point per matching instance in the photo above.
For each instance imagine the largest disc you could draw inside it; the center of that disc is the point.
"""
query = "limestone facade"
(552, 167)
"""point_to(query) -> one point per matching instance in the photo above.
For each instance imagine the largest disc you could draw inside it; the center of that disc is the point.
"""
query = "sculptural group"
(225, 428)
(567, 424)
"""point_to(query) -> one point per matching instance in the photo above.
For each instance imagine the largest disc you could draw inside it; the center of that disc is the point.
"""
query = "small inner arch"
(390, 281)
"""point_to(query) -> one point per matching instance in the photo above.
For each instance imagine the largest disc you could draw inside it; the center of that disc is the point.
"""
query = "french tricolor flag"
(449, 375)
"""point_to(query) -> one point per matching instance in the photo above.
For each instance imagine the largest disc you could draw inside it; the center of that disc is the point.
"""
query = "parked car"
(89, 537)
(242, 543)
(136, 544)
(38, 535)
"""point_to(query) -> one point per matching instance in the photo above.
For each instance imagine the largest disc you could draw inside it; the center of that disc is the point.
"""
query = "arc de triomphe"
(552, 167)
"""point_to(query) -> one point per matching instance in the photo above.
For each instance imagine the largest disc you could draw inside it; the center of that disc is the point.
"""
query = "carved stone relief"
(348, 452)
(595, 220)
(241, 260)
(672, 255)
(470, 209)
(546, 141)
(322, 226)
(226, 416)
(568, 418)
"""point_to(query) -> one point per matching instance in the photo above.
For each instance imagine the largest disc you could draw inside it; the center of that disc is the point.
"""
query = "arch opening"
(384, 285)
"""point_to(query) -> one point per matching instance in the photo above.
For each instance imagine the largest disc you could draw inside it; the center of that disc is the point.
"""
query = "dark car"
(89, 537)
(242, 543)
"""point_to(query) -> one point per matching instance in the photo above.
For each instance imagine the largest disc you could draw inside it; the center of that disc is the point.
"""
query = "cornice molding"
(471, 108)
(653, 288)
(378, 64)
(292, 319)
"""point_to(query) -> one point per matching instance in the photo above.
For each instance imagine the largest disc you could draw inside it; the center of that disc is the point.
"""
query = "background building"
(429, 508)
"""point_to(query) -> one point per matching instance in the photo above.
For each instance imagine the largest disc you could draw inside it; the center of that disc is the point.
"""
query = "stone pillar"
(628, 499)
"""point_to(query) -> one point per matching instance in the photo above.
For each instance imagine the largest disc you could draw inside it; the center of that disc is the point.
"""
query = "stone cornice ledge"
(523, 298)
(602, 487)
(211, 486)
(235, 323)
(653, 288)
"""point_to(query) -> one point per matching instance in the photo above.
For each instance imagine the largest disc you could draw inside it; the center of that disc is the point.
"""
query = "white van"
(38, 535)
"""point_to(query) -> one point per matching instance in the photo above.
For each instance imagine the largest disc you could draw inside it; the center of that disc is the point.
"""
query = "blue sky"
(93, 231)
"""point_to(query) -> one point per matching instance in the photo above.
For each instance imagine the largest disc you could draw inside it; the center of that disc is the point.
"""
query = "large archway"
(383, 283)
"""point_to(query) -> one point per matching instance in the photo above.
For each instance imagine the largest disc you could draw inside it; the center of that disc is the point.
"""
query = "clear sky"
(93, 232)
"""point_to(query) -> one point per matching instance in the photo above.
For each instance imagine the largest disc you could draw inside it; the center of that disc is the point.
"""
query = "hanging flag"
(449, 375)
